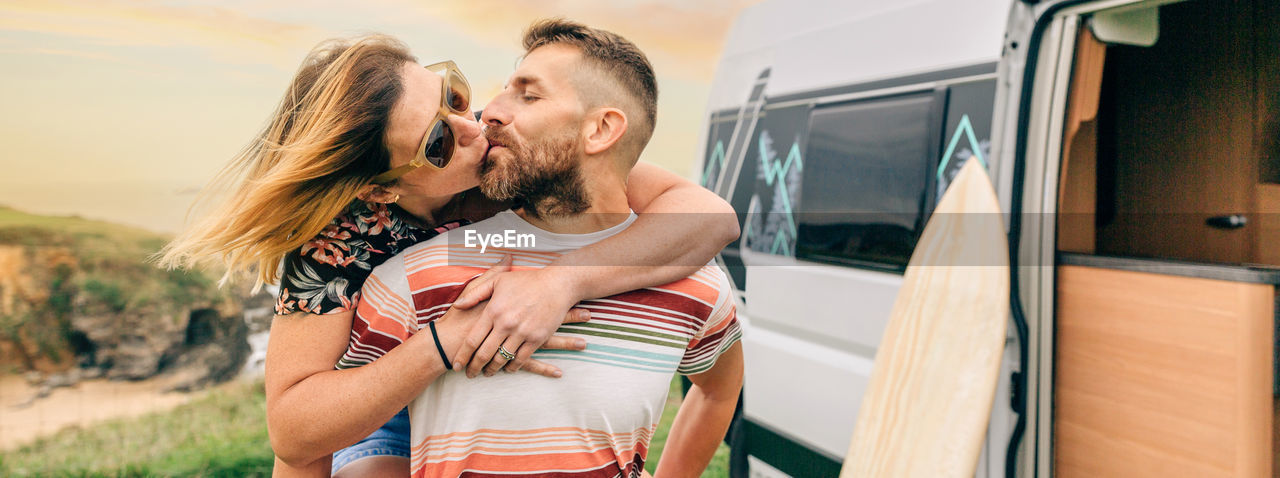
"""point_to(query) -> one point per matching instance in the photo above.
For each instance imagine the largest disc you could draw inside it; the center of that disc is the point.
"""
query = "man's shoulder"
(698, 295)
(710, 281)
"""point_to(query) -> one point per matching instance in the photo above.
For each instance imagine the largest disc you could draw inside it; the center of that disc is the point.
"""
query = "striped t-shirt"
(598, 418)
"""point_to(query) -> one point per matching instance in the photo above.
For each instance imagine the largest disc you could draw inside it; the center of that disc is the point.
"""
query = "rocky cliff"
(82, 295)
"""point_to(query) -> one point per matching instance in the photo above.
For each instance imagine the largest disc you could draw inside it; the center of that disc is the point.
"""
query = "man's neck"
(606, 199)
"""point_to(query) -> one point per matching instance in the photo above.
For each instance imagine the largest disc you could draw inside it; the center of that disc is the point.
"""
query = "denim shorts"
(390, 440)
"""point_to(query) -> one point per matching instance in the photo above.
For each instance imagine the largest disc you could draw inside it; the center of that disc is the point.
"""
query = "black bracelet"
(447, 365)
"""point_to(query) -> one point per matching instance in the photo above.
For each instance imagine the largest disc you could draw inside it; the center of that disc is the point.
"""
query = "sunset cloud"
(89, 55)
(686, 37)
(227, 35)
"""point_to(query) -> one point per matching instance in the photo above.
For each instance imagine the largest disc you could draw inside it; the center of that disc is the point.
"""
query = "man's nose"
(465, 130)
(494, 114)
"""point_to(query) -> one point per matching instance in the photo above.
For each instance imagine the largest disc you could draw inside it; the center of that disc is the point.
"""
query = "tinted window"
(713, 158)
(775, 157)
(867, 178)
(968, 133)
(718, 138)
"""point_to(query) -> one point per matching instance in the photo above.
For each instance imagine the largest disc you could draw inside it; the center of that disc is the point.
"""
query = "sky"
(123, 110)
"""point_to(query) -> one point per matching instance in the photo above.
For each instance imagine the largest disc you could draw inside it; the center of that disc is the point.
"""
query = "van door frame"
(1041, 89)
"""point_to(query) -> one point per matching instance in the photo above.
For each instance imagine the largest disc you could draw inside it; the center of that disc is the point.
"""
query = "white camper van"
(1135, 148)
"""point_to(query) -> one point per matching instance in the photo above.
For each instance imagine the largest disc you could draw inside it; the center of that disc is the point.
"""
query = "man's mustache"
(498, 136)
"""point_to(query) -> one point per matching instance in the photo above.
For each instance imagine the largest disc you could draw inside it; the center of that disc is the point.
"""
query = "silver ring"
(505, 354)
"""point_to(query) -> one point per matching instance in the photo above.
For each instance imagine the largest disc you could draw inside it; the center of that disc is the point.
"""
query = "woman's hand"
(521, 319)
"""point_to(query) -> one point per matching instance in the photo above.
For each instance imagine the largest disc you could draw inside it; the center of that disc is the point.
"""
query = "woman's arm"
(314, 410)
(681, 227)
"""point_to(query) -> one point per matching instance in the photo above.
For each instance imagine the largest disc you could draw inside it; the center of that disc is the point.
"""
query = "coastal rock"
(82, 298)
(214, 349)
(203, 344)
(131, 346)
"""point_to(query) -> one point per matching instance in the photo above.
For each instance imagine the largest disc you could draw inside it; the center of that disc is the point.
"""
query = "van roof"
(814, 44)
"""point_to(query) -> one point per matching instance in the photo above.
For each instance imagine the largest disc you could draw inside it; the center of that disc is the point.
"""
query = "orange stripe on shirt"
(480, 462)
(695, 289)
(518, 434)
(392, 314)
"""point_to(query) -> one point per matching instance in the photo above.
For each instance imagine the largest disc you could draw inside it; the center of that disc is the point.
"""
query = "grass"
(104, 239)
(223, 434)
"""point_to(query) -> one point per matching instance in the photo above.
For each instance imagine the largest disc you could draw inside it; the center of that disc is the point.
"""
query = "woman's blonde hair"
(323, 144)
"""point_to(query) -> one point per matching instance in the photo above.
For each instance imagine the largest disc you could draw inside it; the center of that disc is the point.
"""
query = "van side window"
(868, 180)
(713, 160)
(774, 154)
(969, 110)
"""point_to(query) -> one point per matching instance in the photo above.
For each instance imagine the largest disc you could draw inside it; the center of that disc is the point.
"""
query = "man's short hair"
(617, 59)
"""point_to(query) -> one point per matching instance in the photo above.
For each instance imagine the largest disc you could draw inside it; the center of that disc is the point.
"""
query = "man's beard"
(543, 177)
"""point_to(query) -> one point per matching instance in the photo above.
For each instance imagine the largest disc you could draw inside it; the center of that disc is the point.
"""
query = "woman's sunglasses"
(437, 145)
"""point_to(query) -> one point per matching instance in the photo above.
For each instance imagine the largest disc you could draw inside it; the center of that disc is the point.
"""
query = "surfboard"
(929, 398)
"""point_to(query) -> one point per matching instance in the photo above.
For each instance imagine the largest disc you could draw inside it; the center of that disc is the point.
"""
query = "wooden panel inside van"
(1160, 375)
(1077, 196)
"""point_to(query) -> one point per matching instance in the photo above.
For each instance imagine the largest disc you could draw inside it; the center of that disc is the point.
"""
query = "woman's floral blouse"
(324, 275)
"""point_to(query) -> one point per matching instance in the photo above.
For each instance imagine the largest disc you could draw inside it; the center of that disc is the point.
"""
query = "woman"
(367, 155)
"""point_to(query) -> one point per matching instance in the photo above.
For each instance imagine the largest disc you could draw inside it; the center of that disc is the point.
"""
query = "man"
(564, 134)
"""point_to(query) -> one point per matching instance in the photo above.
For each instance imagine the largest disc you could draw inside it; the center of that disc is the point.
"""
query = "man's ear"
(604, 128)
(377, 193)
